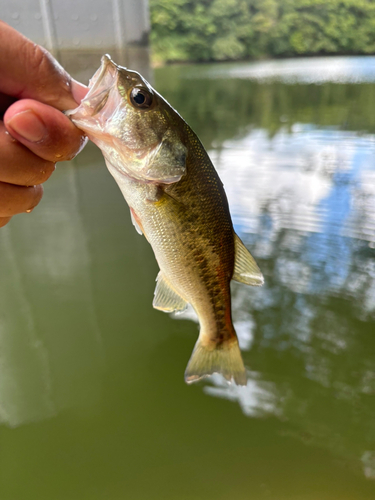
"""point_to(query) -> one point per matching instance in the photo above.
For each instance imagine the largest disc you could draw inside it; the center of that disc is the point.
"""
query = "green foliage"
(218, 30)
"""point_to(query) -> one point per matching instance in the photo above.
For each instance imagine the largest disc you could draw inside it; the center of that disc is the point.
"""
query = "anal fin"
(246, 269)
(166, 298)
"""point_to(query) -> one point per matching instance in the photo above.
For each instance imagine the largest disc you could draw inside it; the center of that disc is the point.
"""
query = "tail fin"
(224, 358)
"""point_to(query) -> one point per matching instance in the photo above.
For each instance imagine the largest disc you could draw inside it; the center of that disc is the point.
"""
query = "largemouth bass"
(178, 202)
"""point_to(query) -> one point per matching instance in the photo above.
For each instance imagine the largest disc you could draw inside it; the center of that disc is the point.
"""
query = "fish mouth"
(100, 85)
(105, 76)
(102, 116)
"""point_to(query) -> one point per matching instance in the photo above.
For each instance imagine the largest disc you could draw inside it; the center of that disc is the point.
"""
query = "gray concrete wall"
(78, 32)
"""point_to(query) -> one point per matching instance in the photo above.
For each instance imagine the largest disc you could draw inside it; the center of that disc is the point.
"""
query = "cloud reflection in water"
(304, 203)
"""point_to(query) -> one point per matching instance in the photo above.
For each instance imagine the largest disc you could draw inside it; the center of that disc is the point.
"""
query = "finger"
(29, 71)
(18, 199)
(18, 165)
(44, 130)
(4, 220)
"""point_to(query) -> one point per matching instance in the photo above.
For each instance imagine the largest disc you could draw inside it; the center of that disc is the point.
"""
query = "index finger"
(29, 71)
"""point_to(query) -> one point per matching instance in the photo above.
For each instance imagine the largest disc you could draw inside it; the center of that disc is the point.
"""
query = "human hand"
(35, 134)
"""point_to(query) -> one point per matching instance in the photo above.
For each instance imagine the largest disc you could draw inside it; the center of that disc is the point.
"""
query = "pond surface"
(92, 399)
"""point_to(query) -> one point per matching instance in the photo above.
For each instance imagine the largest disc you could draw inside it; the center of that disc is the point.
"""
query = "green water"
(92, 399)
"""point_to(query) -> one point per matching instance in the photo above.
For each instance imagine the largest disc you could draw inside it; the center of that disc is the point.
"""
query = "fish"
(177, 201)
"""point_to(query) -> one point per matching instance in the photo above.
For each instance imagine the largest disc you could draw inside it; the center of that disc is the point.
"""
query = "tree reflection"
(297, 162)
(222, 108)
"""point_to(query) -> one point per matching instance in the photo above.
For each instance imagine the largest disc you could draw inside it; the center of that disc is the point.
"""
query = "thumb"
(29, 71)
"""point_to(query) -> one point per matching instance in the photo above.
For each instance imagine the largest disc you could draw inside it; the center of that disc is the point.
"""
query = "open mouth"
(103, 78)
(100, 86)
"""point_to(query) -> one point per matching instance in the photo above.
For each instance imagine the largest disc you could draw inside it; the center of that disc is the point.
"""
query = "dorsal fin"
(246, 269)
(165, 298)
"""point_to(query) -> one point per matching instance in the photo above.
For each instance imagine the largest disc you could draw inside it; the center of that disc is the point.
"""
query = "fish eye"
(141, 98)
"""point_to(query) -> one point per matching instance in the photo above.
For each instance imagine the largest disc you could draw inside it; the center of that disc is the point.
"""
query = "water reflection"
(49, 343)
(257, 399)
(299, 172)
(316, 70)
(228, 107)
(51, 356)
(81, 345)
(298, 200)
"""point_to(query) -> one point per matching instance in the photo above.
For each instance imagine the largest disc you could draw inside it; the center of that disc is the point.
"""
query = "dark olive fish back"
(207, 216)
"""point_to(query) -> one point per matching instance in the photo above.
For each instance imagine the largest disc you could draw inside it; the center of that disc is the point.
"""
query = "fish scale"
(178, 202)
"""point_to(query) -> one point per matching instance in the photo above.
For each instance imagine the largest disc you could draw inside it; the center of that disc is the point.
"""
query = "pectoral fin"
(135, 222)
(246, 269)
(165, 297)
